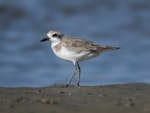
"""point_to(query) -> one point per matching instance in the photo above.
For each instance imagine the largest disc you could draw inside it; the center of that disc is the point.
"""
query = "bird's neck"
(55, 43)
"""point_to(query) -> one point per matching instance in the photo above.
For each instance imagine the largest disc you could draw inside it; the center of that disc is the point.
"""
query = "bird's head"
(53, 36)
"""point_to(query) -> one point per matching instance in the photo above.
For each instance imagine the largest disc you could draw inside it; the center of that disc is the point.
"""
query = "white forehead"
(50, 33)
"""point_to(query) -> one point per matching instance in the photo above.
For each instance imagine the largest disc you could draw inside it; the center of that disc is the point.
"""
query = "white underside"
(72, 56)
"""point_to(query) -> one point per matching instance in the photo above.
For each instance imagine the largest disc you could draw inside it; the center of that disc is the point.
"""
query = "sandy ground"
(126, 98)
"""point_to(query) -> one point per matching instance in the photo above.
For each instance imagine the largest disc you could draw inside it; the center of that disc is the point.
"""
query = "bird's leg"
(74, 73)
(79, 72)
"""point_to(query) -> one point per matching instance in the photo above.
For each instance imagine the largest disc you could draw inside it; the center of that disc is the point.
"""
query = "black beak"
(44, 39)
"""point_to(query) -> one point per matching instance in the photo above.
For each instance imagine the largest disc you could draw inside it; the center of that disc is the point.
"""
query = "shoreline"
(131, 98)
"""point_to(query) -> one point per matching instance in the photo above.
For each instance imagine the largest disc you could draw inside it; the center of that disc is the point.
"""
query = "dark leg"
(74, 73)
(79, 72)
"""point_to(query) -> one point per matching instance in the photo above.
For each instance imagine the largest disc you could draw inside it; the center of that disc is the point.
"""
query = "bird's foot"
(66, 85)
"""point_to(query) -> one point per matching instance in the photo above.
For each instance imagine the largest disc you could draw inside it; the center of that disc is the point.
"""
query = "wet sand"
(126, 98)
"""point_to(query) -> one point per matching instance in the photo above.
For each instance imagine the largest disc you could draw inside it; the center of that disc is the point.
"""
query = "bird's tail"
(112, 48)
(107, 48)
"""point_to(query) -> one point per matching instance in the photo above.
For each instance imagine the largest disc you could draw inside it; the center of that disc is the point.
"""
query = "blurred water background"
(25, 62)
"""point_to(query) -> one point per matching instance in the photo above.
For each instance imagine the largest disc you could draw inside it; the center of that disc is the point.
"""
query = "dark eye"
(55, 35)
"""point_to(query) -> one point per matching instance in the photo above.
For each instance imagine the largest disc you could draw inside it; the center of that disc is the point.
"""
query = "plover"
(74, 50)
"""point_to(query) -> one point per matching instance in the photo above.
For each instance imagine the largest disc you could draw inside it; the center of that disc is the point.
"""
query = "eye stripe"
(55, 35)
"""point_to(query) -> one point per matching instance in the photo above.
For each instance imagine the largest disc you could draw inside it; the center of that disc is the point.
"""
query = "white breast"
(72, 56)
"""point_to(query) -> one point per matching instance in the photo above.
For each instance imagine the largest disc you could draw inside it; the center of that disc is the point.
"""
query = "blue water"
(26, 62)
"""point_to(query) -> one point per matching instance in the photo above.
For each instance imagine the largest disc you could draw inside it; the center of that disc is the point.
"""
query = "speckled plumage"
(80, 45)
(74, 49)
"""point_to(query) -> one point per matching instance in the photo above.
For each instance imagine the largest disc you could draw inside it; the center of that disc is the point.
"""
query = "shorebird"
(74, 50)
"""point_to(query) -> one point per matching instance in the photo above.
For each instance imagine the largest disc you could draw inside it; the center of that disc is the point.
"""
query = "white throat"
(54, 43)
